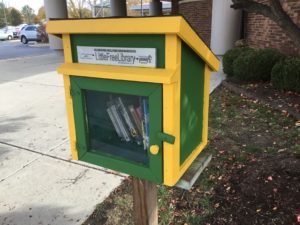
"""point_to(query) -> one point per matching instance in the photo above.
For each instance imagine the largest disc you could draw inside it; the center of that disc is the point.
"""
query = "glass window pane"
(118, 125)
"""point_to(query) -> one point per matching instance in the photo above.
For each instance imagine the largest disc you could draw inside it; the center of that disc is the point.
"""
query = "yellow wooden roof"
(137, 25)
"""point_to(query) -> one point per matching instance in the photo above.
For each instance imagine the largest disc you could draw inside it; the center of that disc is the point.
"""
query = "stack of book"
(131, 123)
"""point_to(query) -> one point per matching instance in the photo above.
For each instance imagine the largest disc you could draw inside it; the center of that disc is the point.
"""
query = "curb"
(59, 52)
(38, 45)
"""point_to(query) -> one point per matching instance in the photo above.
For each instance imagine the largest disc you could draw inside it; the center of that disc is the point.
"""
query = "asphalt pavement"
(15, 49)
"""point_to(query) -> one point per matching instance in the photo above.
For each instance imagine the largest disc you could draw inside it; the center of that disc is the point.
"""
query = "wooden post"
(144, 202)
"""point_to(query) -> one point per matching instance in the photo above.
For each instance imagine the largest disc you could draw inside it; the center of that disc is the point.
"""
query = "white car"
(29, 33)
(6, 35)
(19, 28)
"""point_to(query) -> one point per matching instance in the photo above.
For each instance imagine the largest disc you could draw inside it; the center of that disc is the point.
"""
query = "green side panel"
(191, 101)
(125, 40)
(97, 139)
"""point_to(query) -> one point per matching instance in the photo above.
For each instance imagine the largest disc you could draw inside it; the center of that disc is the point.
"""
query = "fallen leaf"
(270, 178)
(281, 150)
(297, 123)
(258, 210)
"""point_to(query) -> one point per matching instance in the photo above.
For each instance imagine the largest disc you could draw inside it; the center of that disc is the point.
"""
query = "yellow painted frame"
(171, 115)
(171, 111)
(120, 73)
(176, 30)
(69, 101)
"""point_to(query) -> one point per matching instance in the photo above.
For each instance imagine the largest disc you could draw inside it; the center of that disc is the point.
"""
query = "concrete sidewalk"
(39, 184)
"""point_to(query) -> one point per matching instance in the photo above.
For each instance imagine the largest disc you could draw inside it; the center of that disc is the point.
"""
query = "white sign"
(137, 57)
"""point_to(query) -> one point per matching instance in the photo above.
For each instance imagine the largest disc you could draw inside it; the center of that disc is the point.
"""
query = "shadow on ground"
(11, 125)
(39, 215)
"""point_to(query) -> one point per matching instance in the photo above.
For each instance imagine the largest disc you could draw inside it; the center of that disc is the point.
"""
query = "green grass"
(165, 206)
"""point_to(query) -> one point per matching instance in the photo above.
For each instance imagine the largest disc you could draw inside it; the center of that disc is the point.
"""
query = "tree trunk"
(275, 12)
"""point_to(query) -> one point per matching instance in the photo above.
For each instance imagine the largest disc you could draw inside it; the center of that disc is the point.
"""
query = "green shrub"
(265, 61)
(286, 74)
(277, 76)
(256, 65)
(229, 58)
(243, 66)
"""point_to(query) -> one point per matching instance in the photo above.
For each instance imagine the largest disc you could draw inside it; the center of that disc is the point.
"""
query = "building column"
(155, 8)
(175, 7)
(226, 26)
(55, 9)
(118, 8)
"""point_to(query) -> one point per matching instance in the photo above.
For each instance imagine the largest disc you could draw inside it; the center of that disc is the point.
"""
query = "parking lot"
(15, 49)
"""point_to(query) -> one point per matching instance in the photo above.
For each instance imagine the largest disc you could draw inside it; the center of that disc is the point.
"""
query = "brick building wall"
(261, 32)
(198, 14)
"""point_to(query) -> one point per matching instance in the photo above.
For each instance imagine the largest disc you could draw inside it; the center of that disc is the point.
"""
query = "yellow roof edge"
(140, 25)
(192, 39)
(152, 75)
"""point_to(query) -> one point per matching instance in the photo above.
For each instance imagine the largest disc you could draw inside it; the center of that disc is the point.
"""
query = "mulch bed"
(288, 103)
(265, 191)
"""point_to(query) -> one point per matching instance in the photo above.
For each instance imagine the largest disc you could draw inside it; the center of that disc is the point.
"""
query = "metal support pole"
(118, 8)
(102, 6)
(156, 8)
(226, 25)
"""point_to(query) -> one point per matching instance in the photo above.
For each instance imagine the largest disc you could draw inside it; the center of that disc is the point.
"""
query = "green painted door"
(116, 123)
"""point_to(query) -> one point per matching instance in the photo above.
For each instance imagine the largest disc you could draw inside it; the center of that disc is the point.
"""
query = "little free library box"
(137, 92)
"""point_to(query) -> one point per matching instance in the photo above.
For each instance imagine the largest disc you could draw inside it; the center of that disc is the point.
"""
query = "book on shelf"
(130, 123)
(146, 120)
(119, 121)
(139, 112)
(115, 124)
(136, 119)
(132, 129)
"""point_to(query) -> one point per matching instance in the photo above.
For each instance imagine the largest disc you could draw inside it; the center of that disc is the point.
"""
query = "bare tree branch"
(254, 7)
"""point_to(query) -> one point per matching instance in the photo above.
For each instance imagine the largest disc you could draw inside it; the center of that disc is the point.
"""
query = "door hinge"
(79, 147)
(73, 92)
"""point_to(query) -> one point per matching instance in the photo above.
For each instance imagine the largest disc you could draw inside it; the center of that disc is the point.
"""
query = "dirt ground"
(254, 176)
(264, 191)
(287, 102)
